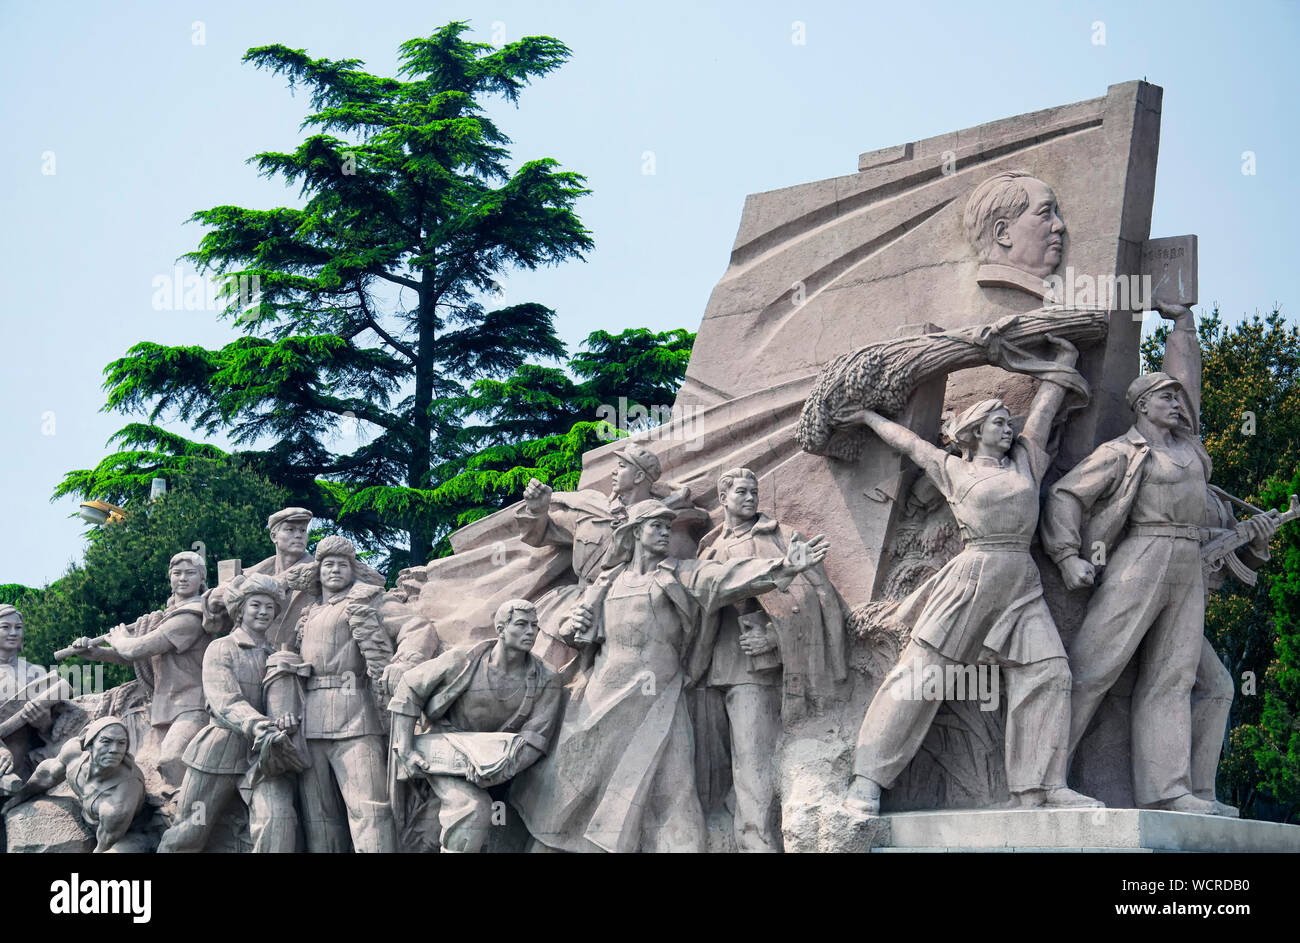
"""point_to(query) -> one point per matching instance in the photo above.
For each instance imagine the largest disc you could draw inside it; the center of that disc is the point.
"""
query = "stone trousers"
(174, 738)
(1037, 725)
(272, 821)
(1152, 595)
(754, 717)
(347, 782)
(464, 813)
(1211, 704)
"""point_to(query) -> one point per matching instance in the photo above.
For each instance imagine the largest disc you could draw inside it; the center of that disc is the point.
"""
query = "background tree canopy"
(536, 422)
(376, 298)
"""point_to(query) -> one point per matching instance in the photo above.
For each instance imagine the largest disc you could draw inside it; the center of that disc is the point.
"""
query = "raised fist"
(536, 495)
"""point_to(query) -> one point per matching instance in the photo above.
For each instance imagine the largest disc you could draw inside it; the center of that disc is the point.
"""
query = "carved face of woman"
(185, 579)
(11, 635)
(336, 573)
(109, 747)
(1034, 240)
(259, 613)
(995, 435)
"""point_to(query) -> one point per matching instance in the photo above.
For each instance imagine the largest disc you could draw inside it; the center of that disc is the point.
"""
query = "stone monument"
(904, 361)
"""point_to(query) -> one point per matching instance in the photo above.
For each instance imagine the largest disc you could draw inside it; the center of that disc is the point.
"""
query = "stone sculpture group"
(666, 667)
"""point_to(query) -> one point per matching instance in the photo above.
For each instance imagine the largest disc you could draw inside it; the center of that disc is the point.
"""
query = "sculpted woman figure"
(985, 606)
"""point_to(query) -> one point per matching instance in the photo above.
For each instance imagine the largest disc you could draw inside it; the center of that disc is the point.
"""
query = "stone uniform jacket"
(233, 668)
(583, 520)
(338, 699)
(1091, 502)
(1090, 505)
(178, 671)
(431, 689)
(808, 615)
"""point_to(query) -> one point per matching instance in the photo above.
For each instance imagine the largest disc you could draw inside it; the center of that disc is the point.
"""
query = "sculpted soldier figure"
(24, 712)
(985, 605)
(103, 777)
(288, 528)
(171, 644)
(584, 522)
(770, 656)
(495, 705)
(347, 648)
(218, 758)
(621, 776)
(1137, 504)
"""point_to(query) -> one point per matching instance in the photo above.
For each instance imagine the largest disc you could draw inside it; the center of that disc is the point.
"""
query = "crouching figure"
(490, 712)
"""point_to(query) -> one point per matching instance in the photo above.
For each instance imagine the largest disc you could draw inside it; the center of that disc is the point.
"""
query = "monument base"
(1082, 830)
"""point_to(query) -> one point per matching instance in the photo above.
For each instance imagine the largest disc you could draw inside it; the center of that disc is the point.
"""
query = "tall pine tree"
(375, 296)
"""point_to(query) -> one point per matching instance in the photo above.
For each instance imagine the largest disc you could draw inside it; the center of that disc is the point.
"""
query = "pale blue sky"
(145, 127)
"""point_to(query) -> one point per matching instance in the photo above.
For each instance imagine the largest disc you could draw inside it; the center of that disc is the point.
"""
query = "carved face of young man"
(626, 477)
(11, 635)
(259, 613)
(185, 578)
(653, 536)
(1033, 241)
(1162, 408)
(336, 574)
(519, 631)
(290, 537)
(109, 748)
(741, 499)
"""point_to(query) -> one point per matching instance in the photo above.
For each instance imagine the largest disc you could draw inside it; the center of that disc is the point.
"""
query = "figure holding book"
(491, 711)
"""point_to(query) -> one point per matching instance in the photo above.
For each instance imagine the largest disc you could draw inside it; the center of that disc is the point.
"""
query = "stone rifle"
(1222, 550)
(48, 688)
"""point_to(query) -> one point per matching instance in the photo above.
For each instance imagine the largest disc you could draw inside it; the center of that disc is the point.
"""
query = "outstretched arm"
(1050, 395)
(48, 774)
(929, 457)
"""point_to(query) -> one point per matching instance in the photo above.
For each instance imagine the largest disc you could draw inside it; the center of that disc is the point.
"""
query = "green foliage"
(12, 592)
(216, 505)
(1252, 371)
(537, 422)
(1274, 741)
(1248, 370)
(373, 303)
